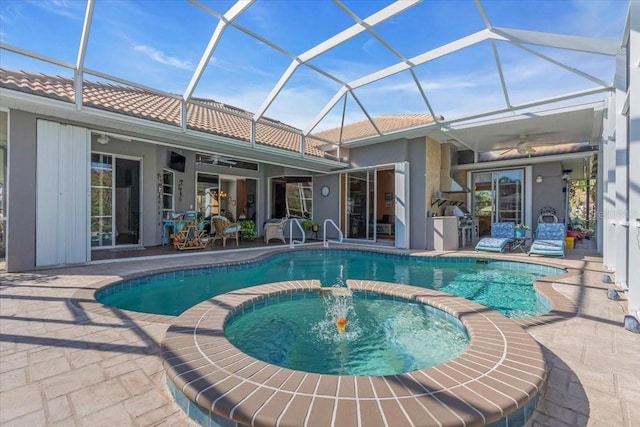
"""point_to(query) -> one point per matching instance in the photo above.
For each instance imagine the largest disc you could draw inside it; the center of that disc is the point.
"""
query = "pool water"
(383, 336)
(501, 285)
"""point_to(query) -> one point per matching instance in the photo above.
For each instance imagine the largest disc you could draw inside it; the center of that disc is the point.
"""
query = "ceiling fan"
(214, 159)
(526, 144)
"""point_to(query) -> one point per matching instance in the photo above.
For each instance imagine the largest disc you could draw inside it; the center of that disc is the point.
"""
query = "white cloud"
(609, 16)
(71, 10)
(161, 57)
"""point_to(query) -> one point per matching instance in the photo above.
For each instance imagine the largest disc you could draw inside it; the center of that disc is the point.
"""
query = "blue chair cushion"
(551, 231)
(548, 246)
(492, 244)
(502, 229)
(231, 230)
(501, 235)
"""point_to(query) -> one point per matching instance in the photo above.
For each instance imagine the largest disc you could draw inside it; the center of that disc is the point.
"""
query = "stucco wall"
(550, 191)
(21, 232)
(415, 152)
(418, 160)
(432, 184)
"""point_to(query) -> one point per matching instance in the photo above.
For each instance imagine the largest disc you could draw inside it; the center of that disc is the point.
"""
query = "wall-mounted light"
(539, 179)
(103, 139)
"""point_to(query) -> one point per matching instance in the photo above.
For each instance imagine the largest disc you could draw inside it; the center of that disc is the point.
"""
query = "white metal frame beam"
(404, 66)
(236, 10)
(82, 51)
(332, 42)
(560, 41)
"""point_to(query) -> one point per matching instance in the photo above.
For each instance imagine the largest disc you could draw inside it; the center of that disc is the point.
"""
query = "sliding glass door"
(231, 196)
(115, 201)
(360, 205)
(498, 196)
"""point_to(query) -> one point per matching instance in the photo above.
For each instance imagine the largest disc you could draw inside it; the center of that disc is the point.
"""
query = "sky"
(159, 43)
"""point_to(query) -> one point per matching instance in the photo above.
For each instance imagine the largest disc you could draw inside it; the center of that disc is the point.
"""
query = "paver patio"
(64, 364)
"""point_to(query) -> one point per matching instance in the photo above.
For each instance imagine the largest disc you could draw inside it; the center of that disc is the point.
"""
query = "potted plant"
(247, 229)
(309, 225)
(200, 223)
(520, 230)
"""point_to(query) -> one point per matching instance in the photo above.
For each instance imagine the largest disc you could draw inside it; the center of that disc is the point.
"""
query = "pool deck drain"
(500, 374)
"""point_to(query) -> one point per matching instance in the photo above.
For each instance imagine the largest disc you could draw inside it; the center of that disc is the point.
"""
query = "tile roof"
(222, 120)
(385, 123)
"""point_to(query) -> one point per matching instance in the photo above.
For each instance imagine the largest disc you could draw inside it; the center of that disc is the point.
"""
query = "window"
(168, 191)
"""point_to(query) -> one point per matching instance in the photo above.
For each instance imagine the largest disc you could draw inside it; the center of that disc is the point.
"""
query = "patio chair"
(275, 230)
(501, 235)
(549, 239)
(225, 229)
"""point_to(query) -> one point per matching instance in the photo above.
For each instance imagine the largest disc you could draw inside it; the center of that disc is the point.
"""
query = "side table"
(519, 243)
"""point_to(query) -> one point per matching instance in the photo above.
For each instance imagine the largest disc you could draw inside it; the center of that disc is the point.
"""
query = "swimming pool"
(504, 286)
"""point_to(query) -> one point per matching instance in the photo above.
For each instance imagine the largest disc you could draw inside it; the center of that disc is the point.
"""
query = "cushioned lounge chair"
(501, 235)
(549, 239)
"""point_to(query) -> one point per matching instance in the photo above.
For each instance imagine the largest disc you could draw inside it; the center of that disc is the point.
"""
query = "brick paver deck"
(65, 360)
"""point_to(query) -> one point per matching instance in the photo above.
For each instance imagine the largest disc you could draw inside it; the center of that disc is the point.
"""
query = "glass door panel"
(115, 201)
(356, 206)
(127, 206)
(208, 194)
(509, 196)
(497, 197)
(360, 205)
(101, 200)
(483, 205)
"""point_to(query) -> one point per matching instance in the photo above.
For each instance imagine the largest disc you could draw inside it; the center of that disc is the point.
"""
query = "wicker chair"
(225, 229)
(275, 230)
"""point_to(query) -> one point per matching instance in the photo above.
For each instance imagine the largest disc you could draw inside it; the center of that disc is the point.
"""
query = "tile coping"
(501, 371)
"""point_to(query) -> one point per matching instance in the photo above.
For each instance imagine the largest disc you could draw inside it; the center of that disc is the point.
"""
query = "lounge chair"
(274, 230)
(549, 239)
(225, 229)
(501, 235)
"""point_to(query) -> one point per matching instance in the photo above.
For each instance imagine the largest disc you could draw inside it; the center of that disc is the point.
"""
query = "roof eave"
(160, 133)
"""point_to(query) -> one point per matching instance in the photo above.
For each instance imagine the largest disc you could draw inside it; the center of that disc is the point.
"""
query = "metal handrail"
(325, 242)
(291, 241)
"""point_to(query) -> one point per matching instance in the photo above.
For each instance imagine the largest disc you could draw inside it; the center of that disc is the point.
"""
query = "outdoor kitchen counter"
(442, 233)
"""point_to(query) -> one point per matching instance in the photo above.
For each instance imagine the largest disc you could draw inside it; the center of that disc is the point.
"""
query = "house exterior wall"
(633, 158)
(413, 151)
(417, 190)
(621, 214)
(549, 192)
(21, 234)
(433, 158)
(327, 207)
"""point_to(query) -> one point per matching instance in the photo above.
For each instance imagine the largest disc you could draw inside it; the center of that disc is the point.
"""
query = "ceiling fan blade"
(506, 151)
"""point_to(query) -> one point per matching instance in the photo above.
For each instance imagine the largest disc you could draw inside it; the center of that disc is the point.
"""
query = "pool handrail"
(325, 242)
(291, 240)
